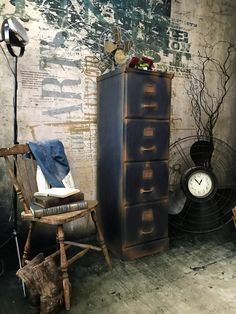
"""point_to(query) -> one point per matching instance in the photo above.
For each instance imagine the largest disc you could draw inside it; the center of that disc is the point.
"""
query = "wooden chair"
(22, 171)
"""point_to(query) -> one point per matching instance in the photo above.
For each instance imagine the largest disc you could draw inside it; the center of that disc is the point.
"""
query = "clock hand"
(197, 181)
(200, 182)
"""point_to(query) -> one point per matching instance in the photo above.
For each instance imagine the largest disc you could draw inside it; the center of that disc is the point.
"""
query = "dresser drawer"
(148, 96)
(145, 181)
(146, 139)
(145, 223)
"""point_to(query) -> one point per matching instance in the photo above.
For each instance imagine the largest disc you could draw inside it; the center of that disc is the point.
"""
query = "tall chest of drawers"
(132, 160)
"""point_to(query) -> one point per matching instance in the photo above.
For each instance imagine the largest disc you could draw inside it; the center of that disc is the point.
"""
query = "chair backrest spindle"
(22, 172)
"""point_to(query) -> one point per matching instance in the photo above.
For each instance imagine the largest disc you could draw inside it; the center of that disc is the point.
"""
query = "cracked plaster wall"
(57, 74)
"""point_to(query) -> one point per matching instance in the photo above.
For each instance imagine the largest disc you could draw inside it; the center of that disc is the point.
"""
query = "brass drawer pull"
(147, 232)
(152, 106)
(142, 191)
(148, 149)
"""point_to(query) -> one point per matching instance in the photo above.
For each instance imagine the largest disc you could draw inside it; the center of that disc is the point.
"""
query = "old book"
(39, 211)
(50, 201)
(58, 192)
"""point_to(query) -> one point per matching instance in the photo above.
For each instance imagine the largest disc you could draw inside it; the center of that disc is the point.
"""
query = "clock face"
(199, 183)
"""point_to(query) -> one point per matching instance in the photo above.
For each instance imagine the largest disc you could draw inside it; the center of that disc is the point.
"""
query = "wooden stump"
(49, 285)
(26, 274)
(44, 282)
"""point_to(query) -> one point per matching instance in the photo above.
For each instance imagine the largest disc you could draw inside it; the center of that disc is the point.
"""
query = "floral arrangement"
(144, 63)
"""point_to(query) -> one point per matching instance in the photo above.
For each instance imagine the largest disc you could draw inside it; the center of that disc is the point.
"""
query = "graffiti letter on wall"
(51, 87)
(45, 62)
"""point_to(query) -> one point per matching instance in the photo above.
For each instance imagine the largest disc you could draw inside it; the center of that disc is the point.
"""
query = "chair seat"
(62, 218)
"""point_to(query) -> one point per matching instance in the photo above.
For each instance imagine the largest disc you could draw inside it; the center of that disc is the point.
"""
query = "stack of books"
(57, 201)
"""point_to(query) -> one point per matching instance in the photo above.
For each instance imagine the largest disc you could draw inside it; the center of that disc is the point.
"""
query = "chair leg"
(64, 266)
(27, 246)
(101, 240)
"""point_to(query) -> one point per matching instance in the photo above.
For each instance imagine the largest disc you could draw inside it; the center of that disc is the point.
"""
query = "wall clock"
(202, 184)
(199, 183)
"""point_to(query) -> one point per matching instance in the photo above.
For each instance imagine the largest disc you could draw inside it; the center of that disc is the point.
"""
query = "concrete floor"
(197, 275)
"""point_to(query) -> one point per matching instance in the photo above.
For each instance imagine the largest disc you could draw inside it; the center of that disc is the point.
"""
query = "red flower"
(134, 62)
(149, 61)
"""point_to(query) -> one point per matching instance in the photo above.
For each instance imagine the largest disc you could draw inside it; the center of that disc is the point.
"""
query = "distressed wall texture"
(57, 74)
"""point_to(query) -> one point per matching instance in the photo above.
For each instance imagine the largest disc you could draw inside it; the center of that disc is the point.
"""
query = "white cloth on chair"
(43, 184)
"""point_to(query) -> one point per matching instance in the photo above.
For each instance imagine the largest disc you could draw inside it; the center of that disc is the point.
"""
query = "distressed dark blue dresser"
(132, 160)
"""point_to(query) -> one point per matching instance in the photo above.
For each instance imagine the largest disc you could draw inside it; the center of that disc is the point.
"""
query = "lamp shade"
(14, 34)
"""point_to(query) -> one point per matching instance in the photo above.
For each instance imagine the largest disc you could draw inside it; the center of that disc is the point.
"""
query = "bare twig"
(207, 100)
